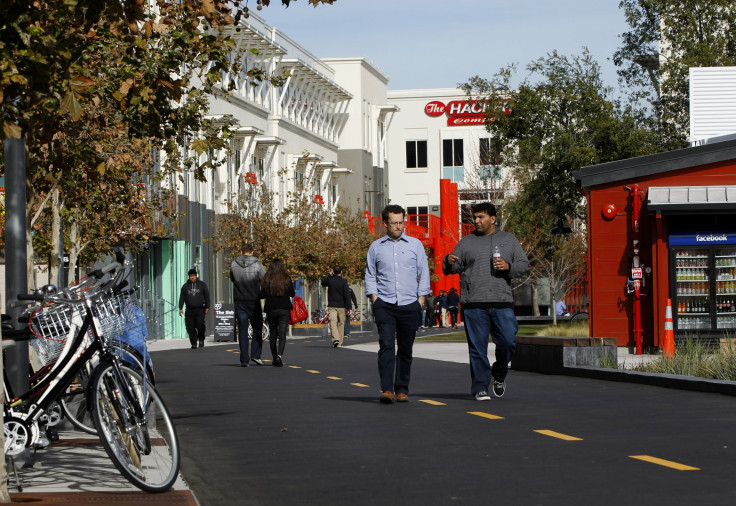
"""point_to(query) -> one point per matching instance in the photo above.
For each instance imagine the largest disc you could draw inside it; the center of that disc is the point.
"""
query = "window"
(485, 151)
(452, 160)
(416, 154)
(418, 215)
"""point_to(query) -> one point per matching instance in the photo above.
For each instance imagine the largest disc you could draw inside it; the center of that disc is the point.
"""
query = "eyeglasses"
(395, 223)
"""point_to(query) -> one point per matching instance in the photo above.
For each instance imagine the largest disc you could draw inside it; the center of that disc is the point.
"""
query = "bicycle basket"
(50, 325)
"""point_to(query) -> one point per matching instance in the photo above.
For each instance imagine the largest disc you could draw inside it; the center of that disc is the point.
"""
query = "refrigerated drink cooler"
(703, 279)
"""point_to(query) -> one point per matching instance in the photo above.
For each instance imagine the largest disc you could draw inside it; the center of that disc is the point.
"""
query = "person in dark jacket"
(453, 306)
(196, 296)
(278, 290)
(429, 318)
(442, 306)
(338, 304)
(246, 273)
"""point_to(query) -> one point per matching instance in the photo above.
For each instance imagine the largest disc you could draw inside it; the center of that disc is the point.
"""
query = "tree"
(309, 238)
(559, 119)
(667, 37)
(107, 91)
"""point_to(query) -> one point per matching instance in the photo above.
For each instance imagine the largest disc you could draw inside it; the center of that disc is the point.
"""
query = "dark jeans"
(252, 313)
(453, 315)
(194, 322)
(397, 325)
(501, 325)
(278, 324)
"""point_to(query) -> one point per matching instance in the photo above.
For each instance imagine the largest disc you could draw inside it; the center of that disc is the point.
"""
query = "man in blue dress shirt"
(396, 281)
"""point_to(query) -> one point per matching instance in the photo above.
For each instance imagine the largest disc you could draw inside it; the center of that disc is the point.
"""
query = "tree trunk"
(54, 260)
(535, 300)
(74, 248)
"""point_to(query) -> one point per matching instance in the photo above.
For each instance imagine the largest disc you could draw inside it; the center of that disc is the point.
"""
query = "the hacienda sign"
(459, 112)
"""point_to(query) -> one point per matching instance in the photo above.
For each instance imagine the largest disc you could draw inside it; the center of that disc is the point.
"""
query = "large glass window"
(452, 159)
(416, 154)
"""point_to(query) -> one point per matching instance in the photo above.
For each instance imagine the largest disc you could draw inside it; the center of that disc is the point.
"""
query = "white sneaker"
(482, 396)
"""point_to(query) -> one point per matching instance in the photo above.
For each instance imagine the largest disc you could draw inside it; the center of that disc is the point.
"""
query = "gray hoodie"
(246, 273)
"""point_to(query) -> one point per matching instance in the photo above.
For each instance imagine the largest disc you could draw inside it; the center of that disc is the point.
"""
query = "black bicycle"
(129, 415)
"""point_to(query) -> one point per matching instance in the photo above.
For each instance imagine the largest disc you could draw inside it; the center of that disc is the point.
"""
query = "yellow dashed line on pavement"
(558, 435)
(234, 351)
(295, 367)
(665, 463)
(312, 371)
(433, 403)
(359, 385)
(485, 415)
(333, 378)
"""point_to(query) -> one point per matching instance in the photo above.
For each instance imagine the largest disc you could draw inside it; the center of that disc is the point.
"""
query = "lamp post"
(250, 178)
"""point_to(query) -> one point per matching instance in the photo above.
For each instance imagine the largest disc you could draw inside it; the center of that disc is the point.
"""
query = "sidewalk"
(76, 470)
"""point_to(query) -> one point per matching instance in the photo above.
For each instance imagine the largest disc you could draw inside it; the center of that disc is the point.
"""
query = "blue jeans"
(501, 324)
(397, 327)
(243, 314)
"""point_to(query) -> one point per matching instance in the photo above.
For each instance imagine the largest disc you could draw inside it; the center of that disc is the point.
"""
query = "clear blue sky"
(440, 43)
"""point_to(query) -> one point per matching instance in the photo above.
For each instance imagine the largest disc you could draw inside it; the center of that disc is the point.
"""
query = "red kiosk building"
(662, 227)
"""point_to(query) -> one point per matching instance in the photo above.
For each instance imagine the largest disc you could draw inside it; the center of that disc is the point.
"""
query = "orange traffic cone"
(668, 349)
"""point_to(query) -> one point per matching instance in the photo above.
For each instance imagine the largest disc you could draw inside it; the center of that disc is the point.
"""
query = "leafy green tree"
(667, 37)
(309, 238)
(559, 119)
(108, 91)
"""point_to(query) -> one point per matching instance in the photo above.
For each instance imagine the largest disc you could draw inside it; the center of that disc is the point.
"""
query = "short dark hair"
(247, 248)
(392, 209)
(484, 207)
(337, 269)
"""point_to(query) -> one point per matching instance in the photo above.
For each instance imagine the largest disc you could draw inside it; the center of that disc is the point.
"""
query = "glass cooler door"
(693, 277)
(725, 271)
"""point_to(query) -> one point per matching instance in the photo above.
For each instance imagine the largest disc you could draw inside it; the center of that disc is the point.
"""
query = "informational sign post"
(224, 322)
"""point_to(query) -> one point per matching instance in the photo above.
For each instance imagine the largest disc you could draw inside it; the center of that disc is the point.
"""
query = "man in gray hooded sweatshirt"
(246, 273)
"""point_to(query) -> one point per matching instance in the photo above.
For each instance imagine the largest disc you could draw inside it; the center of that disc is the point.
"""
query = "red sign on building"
(459, 112)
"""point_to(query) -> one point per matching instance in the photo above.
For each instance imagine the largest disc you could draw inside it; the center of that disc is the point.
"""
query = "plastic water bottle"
(496, 255)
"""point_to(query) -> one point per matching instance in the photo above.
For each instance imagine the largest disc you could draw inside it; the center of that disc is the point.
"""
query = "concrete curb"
(691, 383)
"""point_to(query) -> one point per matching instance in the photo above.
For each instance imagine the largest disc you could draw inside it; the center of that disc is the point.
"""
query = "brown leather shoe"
(402, 397)
(387, 397)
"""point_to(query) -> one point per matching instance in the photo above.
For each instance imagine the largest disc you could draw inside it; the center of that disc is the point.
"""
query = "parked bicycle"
(264, 332)
(130, 417)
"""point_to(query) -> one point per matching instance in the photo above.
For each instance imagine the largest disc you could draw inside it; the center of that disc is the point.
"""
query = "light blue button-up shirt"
(397, 271)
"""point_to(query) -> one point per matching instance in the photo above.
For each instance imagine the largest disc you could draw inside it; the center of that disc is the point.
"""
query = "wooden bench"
(550, 355)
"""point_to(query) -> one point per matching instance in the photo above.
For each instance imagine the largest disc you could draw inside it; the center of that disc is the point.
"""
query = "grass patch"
(524, 330)
(695, 358)
(565, 329)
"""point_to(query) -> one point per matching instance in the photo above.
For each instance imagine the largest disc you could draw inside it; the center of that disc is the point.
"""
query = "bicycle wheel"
(264, 332)
(75, 406)
(582, 315)
(135, 428)
(74, 400)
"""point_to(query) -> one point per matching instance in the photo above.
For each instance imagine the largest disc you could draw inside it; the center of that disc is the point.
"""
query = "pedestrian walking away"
(278, 290)
(487, 260)
(396, 282)
(196, 296)
(246, 272)
(338, 304)
(442, 305)
(429, 318)
(453, 306)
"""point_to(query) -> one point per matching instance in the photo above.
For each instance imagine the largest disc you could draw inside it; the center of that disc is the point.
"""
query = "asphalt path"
(313, 432)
